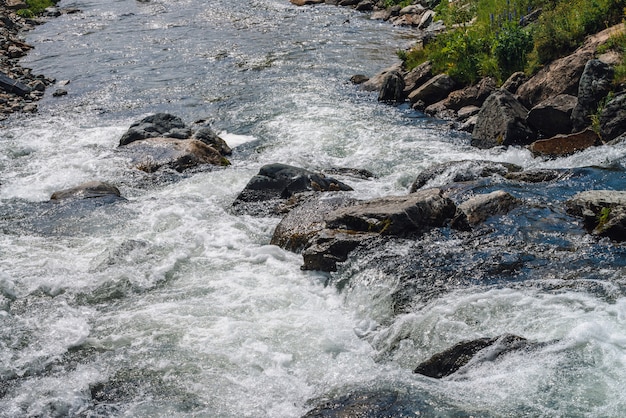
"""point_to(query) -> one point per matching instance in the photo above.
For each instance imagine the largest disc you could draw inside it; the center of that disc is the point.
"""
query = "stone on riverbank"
(392, 90)
(434, 90)
(275, 184)
(553, 116)
(613, 118)
(603, 212)
(480, 207)
(157, 125)
(595, 84)
(502, 121)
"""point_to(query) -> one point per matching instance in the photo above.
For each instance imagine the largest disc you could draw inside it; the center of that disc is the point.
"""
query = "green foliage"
(486, 37)
(603, 217)
(36, 7)
(595, 117)
(401, 3)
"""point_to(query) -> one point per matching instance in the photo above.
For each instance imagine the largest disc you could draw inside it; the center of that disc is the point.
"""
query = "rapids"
(168, 304)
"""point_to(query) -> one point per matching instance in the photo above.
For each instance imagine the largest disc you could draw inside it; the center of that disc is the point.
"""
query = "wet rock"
(434, 90)
(426, 19)
(535, 176)
(561, 145)
(364, 6)
(329, 247)
(157, 125)
(392, 90)
(357, 173)
(151, 154)
(395, 215)
(348, 2)
(482, 349)
(276, 183)
(89, 190)
(359, 79)
(306, 2)
(10, 85)
(209, 137)
(459, 171)
(603, 212)
(472, 95)
(595, 84)
(514, 81)
(368, 404)
(296, 229)
(479, 208)
(613, 118)
(59, 93)
(502, 121)
(553, 116)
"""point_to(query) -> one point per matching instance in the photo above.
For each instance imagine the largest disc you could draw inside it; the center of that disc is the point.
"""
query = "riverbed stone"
(376, 83)
(151, 154)
(461, 171)
(88, 190)
(209, 137)
(453, 359)
(479, 208)
(418, 76)
(595, 84)
(305, 2)
(502, 121)
(553, 116)
(536, 175)
(474, 95)
(267, 192)
(562, 145)
(603, 212)
(156, 125)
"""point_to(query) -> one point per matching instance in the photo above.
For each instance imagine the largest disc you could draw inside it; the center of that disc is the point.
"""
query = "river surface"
(168, 304)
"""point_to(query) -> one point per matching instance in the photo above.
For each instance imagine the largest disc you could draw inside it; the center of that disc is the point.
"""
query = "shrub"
(510, 48)
(36, 7)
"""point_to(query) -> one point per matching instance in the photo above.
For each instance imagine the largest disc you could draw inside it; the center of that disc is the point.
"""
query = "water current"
(168, 304)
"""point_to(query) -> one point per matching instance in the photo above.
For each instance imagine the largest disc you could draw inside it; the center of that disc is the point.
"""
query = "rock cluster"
(555, 106)
(20, 89)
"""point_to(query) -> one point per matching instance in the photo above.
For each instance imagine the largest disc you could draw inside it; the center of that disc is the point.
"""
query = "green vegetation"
(603, 217)
(401, 3)
(617, 43)
(495, 37)
(36, 7)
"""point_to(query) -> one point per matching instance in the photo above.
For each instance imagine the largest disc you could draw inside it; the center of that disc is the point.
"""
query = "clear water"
(172, 306)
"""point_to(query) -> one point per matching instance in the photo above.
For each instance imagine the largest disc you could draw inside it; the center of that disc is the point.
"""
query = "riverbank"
(20, 89)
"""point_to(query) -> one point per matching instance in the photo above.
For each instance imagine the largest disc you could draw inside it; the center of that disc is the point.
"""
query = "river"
(168, 304)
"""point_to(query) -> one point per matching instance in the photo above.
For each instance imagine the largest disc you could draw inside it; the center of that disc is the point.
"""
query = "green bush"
(36, 7)
(510, 48)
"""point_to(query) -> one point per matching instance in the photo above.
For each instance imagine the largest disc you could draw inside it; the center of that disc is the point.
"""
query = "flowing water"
(167, 304)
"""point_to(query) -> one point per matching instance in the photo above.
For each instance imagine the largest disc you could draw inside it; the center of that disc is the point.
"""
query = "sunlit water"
(167, 304)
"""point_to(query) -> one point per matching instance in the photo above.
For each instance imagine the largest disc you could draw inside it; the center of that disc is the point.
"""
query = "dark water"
(168, 304)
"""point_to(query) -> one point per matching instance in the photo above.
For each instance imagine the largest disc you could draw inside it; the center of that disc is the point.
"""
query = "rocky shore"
(20, 89)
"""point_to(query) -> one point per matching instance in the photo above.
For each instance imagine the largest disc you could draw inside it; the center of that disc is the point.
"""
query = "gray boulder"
(209, 137)
(392, 90)
(157, 125)
(480, 207)
(561, 145)
(418, 76)
(553, 116)
(275, 184)
(502, 121)
(434, 90)
(89, 190)
(376, 83)
(514, 81)
(151, 154)
(613, 118)
(595, 83)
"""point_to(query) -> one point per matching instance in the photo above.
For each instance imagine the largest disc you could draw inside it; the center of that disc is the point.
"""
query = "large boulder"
(613, 118)
(595, 84)
(482, 349)
(151, 154)
(434, 90)
(502, 121)
(480, 207)
(472, 95)
(603, 212)
(561, 145)
(275, 184)
(392, 90)
(459, 171)
(553, 115)
(296, 229)
(418, 76)
(157, 125)
(209, 137)
(376, 83)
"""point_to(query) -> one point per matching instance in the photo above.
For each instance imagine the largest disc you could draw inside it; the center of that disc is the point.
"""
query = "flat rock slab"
(479, 208)
(89, 190)
(561, 145)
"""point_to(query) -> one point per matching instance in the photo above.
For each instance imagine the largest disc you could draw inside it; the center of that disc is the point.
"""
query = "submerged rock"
(276, 183)
(482, 349)
(535, 176)
(364, 404)
(459, 171)
(603, 212)
(89, 190)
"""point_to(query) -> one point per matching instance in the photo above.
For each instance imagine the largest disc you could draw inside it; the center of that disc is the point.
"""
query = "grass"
(490, 38)
(36, 7)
